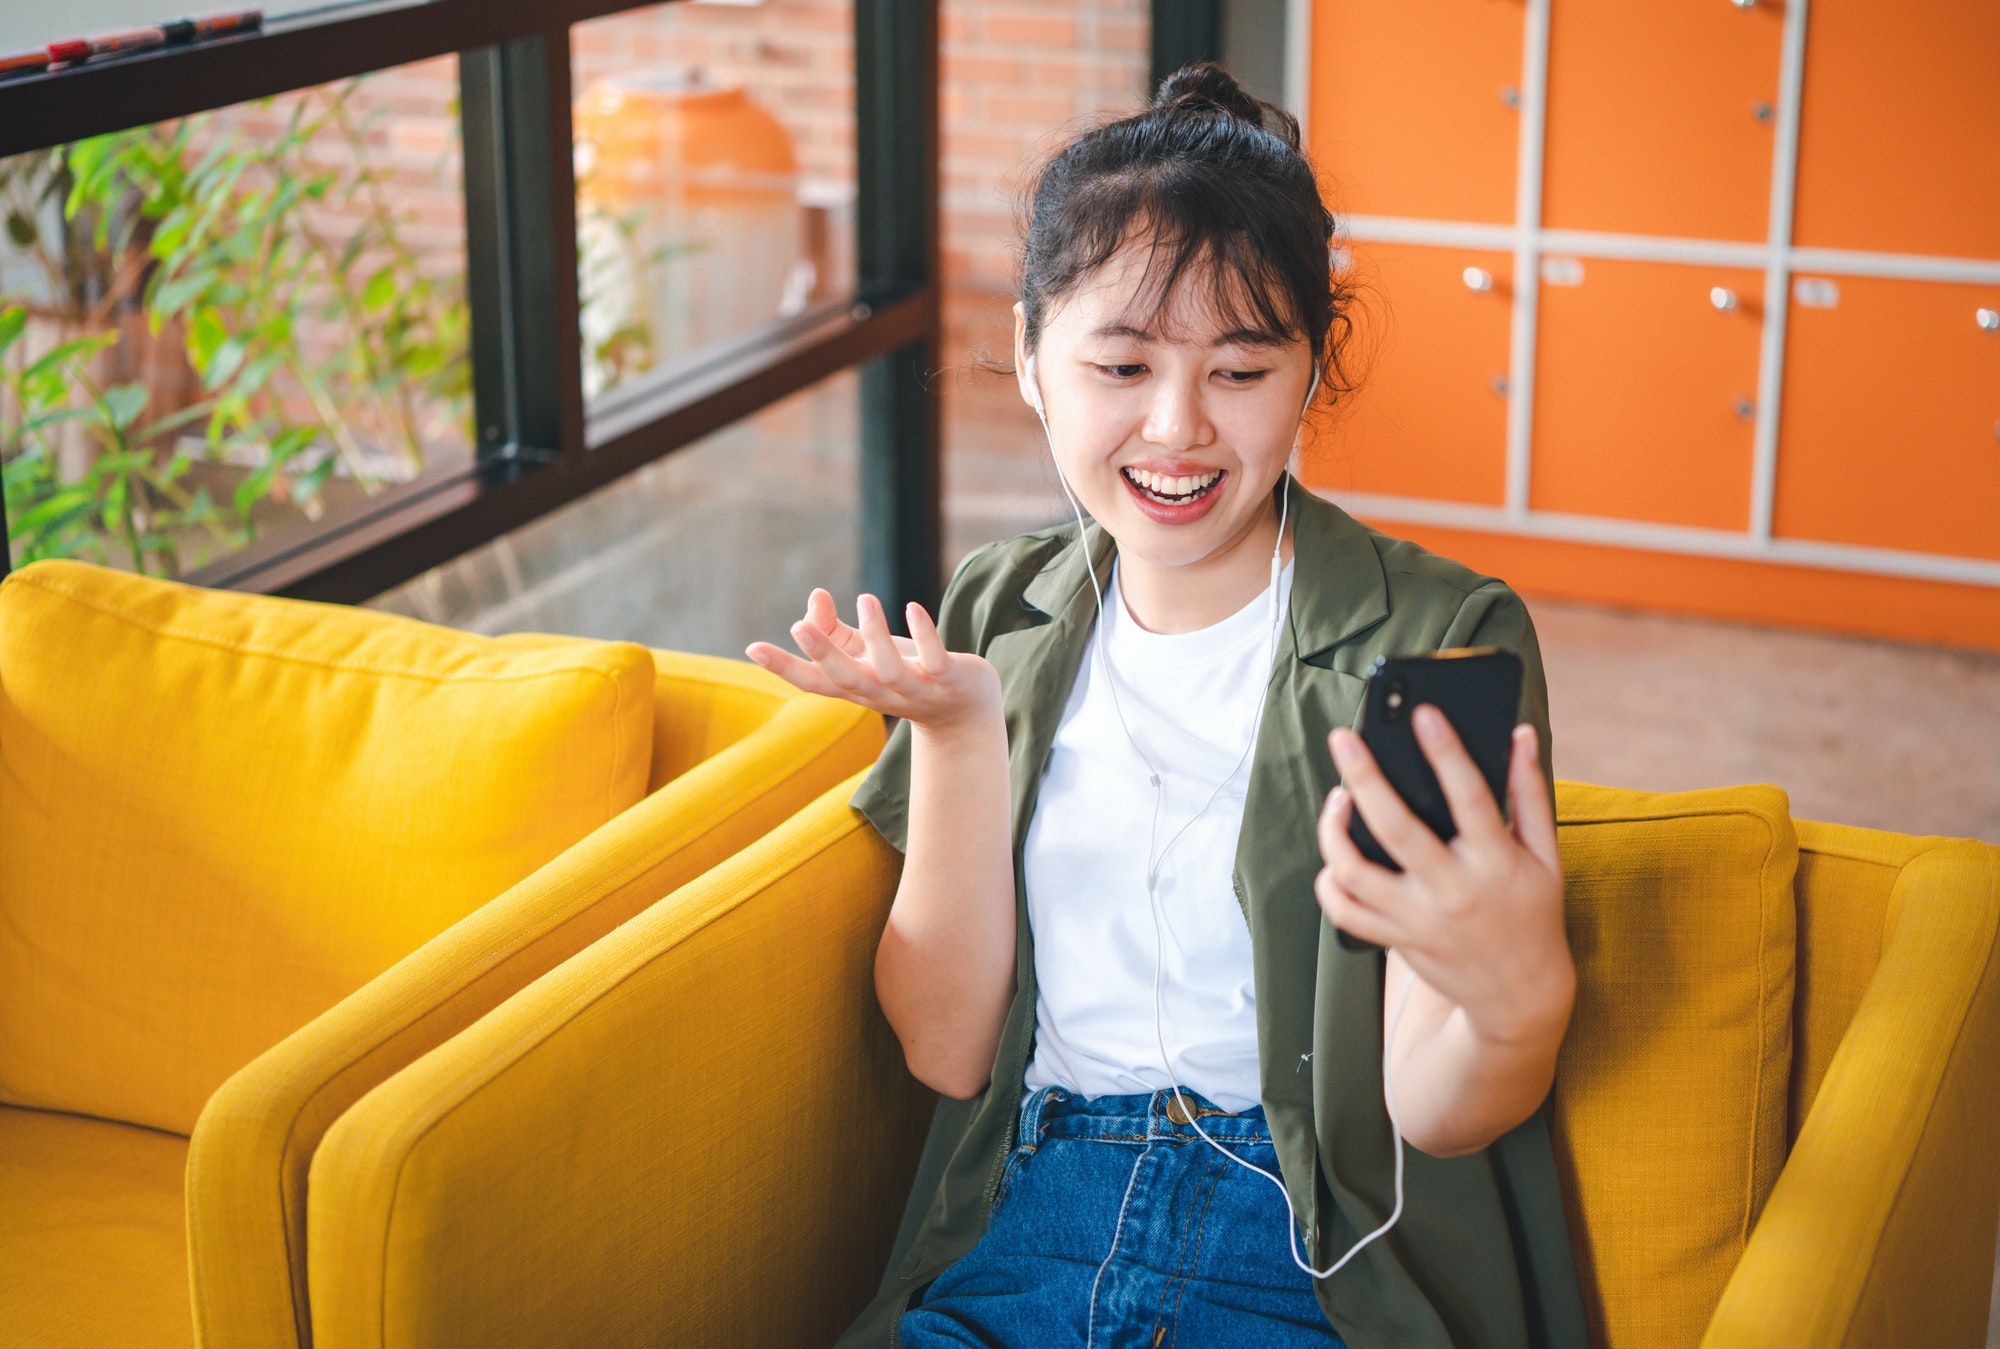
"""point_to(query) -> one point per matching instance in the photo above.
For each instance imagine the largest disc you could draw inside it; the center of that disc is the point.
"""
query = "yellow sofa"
(256, 855)
(699, 1131)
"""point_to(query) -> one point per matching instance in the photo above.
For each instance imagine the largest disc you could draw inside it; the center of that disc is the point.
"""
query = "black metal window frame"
(538, 447)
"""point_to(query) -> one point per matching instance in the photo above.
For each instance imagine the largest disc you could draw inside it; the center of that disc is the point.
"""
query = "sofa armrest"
(1880, 1230)
(701, 1125)
(247, 1164)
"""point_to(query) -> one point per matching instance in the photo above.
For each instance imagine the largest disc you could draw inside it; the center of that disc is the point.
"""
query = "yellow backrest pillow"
(219, 814)
(1671, 1091)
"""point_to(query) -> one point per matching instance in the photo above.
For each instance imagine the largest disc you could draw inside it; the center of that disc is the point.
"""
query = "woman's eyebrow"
(1249, 337)
(1235, 337)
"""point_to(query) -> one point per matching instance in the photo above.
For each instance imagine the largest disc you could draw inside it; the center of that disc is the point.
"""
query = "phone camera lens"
(1393, 700)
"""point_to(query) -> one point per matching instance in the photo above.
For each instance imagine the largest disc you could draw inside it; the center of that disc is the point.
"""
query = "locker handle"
(1478, 280)
(1744, 4)
(1723, 298)
(1989, 320)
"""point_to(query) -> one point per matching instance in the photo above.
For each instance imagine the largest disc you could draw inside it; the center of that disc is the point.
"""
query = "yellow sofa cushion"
(1671, 1092)
(92, 1244)
(219, 814)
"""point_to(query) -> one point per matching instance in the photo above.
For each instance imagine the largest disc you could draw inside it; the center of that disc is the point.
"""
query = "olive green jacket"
(1481, 1258)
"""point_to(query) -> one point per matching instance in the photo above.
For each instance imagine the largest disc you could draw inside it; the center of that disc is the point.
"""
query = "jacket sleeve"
(884, 796)
(1493, 615)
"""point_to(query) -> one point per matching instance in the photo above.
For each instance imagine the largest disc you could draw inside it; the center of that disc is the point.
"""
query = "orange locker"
(1661, 117)
(1412, 110)
(1899, 140)
(1430, 418)
(1891, 429)
(1645, 378)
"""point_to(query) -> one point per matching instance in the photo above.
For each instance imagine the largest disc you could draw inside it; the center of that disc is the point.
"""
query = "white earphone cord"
(1155, 859)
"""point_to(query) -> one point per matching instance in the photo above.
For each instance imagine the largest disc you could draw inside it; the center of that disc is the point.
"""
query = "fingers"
(821, 613)
(879, 648)
(1528, 797)
(1355, 895)
(1473, 808)
(1402, 835)
(1345, 864)
(800, 674)
(846, 674)
(931, 655)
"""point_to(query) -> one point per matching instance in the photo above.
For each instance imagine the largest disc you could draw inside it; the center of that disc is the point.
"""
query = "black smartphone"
(1479, 691)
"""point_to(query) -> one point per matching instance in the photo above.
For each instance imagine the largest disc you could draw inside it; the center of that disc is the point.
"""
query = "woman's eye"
(1123, 371)
(1241, 376)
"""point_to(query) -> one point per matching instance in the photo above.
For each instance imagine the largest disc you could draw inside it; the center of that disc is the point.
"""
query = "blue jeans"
(1116, 1228)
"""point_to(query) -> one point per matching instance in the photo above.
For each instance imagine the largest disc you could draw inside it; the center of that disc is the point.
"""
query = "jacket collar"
(1338, 585)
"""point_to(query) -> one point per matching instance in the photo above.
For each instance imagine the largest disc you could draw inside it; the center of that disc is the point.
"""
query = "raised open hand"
(912, 677)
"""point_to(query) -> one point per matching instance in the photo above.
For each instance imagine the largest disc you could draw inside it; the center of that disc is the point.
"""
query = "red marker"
(131, 40)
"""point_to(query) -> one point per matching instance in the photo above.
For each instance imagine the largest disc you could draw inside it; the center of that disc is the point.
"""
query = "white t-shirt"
(1191, 701)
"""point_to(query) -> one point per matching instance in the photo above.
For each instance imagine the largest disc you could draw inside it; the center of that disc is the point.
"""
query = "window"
(218, 329)
(452, 381)
(679, 554)
(714, 177)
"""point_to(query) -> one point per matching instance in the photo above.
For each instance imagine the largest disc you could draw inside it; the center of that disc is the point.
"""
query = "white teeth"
(1167, 485)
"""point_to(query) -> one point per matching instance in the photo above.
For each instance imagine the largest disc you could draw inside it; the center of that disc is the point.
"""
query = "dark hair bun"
(1206, 86)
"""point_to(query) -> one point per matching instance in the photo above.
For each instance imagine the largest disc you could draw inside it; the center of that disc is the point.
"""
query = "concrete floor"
(1858, 732)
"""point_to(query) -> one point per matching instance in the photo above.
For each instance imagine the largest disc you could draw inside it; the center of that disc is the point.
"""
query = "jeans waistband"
(1052, 1112)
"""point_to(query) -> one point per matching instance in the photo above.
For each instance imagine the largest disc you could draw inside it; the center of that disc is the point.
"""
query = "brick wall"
(1018, 76)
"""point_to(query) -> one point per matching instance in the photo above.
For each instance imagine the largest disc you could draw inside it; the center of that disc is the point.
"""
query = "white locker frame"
(1779, 260)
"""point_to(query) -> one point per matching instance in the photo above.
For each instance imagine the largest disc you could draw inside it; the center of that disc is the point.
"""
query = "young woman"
(1113, 948)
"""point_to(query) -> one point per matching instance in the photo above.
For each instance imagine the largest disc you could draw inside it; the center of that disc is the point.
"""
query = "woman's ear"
(1024, 375)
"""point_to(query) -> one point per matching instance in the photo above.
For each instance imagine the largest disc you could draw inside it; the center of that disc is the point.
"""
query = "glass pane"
(715, 175)
(706, 550)
(233, 326)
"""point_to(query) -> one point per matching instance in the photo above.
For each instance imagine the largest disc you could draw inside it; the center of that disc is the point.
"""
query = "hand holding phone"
(1478, 689)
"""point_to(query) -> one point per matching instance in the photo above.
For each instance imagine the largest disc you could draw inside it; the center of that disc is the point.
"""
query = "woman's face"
(1172, 427)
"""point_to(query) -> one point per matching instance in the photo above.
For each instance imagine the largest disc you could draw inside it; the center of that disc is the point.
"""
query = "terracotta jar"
(689, 225)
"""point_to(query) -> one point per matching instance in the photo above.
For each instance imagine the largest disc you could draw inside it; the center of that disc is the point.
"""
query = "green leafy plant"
(292, 335)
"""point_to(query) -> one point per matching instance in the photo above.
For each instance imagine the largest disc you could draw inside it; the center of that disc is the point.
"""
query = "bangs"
(1194, 240)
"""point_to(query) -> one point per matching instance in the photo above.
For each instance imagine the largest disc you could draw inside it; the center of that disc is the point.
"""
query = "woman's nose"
(1176, 420)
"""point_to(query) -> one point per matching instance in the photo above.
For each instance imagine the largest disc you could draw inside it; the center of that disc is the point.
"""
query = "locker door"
(1891, 426)
(1644, 380)
(1661, 117)
(1430, 418)
(1899, 141)
(1409, 112)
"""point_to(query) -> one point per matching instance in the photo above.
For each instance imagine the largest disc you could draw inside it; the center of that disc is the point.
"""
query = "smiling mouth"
(1170, 490)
